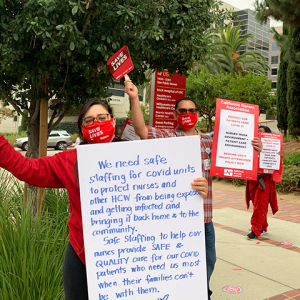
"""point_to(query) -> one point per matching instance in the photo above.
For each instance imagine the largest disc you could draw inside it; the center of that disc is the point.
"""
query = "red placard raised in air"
(270, 162)
(120, 63)
(236, 124)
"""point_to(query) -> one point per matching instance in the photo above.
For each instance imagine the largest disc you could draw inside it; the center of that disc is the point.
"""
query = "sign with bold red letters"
(167, 90)
(270, 162)
(236, 124)
(120, 63)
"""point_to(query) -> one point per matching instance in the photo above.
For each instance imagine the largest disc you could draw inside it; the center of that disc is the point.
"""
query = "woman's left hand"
(257, 144)
(200, 184)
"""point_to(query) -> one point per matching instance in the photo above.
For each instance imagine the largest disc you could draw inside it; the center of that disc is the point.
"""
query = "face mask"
(98, 132)
(187, 121)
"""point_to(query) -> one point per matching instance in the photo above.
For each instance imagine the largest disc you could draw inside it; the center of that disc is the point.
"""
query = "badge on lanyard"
(207, 164)
(207, 161)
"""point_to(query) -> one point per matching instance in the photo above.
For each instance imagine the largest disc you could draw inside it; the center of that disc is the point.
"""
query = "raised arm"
(137, 116)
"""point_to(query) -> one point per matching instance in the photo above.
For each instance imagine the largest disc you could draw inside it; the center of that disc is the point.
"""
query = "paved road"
(50, 151)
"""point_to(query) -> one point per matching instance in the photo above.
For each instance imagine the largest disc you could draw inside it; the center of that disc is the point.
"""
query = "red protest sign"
(120, 63)
(270, 162)
(236, 124)
(128, 133)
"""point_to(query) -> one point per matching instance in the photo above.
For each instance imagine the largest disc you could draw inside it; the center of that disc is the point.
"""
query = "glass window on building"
(116, 92)
(274, 60)
(275, 46)
(274, 71)
(243, 17)
(274, 85)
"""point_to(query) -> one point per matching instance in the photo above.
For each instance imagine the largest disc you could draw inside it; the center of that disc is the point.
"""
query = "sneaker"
(251, 236)
(263, 232)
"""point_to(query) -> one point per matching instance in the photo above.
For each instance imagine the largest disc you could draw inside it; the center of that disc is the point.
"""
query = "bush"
(32, 248)
(70, 127)
(23, 126)
(13, 135)
(290, 178)
(201, 125)
(238, 182)
(292, 159)
(11, 141)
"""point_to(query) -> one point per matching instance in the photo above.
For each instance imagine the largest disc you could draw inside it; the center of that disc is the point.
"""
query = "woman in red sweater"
(262, 192)
(60, 171)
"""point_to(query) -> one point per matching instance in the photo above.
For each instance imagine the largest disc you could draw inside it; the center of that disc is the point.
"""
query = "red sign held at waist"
(120, 63)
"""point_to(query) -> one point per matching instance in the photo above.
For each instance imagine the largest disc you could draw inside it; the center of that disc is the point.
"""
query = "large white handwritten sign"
(143, 223)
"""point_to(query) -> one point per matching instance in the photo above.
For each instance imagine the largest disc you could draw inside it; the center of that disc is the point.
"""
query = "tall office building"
(274, 58)
(261, 36)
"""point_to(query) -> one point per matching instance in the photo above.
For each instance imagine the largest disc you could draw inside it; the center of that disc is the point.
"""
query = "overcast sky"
(243, 4)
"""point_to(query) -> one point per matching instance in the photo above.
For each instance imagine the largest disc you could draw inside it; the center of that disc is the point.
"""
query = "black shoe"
(263, 232)
(251, 236)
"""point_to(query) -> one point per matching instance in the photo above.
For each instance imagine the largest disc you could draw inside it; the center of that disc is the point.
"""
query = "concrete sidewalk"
(259, 269)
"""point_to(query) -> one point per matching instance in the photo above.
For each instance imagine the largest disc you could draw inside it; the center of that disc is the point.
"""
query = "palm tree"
(214, 58)
(232, 41)
(222, 52)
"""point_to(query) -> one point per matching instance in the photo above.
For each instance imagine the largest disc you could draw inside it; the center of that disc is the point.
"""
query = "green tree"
(145, 111)
(204, 88)
(57, 50)
(293, 88)
(232, 41)
(287, 11)
(5, 112)
(281, 99)
(23, 126)
(251, 88)
(215, 59)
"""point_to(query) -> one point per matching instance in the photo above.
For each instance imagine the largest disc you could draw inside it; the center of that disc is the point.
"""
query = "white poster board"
(233, 155)
(235, 139)
(269, 157)
(143, 224)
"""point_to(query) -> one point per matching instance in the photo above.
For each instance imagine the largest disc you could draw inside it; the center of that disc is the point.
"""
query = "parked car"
(57, 139)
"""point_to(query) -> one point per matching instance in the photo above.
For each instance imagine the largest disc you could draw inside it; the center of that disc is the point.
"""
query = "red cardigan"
(56, 171)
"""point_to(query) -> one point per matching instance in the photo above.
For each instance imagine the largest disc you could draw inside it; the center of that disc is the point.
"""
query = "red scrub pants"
(260, 199)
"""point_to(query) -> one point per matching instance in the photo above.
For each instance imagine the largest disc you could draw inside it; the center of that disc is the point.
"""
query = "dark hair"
(266, 128)
(84, 110)
(184, 98)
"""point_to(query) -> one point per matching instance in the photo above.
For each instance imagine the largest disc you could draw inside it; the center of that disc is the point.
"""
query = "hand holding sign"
(130, 89)
(120, 63)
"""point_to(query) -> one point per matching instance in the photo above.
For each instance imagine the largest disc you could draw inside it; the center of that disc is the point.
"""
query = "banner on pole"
(165, 91)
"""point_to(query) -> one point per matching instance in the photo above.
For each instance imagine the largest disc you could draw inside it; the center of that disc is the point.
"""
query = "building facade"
(274, 58)
(261, 36)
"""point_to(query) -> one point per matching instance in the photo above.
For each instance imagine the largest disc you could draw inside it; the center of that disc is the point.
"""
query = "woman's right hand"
(131, 90)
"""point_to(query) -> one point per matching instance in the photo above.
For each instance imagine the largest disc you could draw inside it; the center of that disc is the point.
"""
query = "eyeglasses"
(183, 111)
(99, 118)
